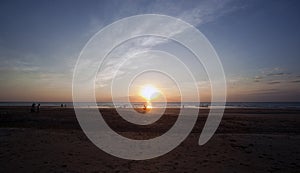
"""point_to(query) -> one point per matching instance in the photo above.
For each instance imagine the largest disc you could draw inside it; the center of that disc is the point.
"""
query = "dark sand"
(248, 140)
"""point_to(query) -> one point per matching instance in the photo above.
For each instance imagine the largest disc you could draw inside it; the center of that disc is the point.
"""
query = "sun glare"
(149, 92)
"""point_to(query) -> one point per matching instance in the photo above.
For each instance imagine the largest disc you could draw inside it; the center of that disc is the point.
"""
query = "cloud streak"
(295, 81)
(274, 82)
(203, 12)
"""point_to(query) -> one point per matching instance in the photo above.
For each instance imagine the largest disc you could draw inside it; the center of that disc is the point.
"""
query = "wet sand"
(247, 140)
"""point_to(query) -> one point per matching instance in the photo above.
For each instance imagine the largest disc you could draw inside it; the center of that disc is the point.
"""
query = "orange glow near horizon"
(149, 92)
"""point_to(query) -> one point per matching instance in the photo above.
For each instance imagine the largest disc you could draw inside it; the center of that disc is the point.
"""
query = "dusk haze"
(150, 86)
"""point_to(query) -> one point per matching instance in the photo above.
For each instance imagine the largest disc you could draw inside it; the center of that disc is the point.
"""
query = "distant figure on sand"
(145, 107)
(38, 107)
(61, 105)
(32, 107)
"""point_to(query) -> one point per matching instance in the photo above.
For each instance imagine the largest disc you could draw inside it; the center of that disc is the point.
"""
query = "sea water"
(203, 105)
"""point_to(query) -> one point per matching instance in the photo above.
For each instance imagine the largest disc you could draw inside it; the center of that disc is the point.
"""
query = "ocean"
(203, 105)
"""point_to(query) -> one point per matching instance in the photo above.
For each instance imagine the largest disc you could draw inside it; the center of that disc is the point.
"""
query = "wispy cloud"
(14, 61)
(295, 81)
(258, 78)
(199, 13)
(277, 74)
(274, 82)
(263, 91)
(273, 76)
(276, 71)
(208, 11)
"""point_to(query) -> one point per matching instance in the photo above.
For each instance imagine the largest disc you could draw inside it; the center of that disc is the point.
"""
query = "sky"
(257, 43)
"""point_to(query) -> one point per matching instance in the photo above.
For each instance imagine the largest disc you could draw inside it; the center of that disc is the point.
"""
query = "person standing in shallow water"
(32, 107)
(38, 107)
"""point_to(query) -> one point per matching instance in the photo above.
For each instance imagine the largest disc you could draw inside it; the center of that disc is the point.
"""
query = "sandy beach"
(247, 140)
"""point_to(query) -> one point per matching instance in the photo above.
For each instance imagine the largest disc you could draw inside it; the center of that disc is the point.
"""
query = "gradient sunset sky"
(258, 43)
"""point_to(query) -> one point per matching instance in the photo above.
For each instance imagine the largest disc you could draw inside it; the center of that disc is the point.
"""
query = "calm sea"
(295, 105)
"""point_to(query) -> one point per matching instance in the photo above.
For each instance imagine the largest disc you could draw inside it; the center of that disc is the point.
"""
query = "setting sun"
(149, 92)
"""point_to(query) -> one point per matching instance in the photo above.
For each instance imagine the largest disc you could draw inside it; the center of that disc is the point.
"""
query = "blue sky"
(257, 42)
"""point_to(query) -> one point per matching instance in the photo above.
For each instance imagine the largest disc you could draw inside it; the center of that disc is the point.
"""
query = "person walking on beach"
(32, 107)
(38, 107)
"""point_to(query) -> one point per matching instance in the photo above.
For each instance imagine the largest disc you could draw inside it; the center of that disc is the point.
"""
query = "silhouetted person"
(145, 107)
(61, 105)
(38, 107)
(32, 107)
